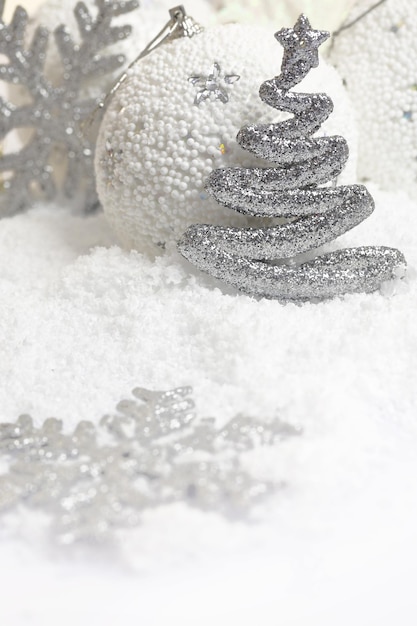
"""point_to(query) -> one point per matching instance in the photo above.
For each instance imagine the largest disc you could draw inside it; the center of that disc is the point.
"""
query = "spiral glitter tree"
(263, 261)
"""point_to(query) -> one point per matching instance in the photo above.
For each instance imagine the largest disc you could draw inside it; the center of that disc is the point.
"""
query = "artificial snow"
(82, 322)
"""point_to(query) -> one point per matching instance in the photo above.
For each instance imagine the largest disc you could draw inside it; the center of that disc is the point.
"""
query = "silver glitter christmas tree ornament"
(54, 114)
(153, 451)
(260, 261)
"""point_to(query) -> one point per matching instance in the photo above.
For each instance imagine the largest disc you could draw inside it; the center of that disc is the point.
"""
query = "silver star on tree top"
(300, 45)
(211, 85)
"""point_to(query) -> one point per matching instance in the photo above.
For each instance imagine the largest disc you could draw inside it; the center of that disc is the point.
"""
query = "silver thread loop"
(179, 25)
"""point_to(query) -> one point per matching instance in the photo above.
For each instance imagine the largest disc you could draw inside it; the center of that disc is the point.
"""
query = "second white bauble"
(376, 57)
(159, 139)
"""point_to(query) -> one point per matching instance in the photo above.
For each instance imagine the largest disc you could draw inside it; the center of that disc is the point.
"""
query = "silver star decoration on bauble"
(300, 45)
(55, 114)
(211, 85)
(153, 451)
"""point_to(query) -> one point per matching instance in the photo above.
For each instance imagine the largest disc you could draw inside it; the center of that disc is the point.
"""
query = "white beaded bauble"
(377, 59)
(158, 141)
(146, 21)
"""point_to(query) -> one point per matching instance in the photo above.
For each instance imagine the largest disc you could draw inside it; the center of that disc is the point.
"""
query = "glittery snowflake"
(211, 86)
(152, 451)
(54, 114)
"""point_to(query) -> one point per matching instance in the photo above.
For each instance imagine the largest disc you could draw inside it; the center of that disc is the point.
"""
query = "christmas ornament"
(152, 452)
(245, 257)
(375, 54)
(55, 114)
(211, 86)
(174, 119)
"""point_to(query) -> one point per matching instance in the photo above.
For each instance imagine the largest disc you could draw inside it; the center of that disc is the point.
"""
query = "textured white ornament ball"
(146, 22)
(156, 146)
(377, 57)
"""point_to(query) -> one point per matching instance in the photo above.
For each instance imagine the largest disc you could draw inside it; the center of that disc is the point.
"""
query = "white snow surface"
(82, 322)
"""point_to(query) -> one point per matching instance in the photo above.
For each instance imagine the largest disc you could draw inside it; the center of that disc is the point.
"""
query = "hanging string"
(179, 25)
(355, 21)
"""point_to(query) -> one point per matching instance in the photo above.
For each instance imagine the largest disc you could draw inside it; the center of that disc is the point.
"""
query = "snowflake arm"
(56, 114)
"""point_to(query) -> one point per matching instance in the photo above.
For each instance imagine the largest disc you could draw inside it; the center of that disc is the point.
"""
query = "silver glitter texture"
(211, 86)
(260, 261)
(300, 45)
(55, 114)
(153, 451)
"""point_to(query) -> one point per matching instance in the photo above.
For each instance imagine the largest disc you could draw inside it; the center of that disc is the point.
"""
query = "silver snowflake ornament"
(56, 114)
(153, 451)
(210, 86)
